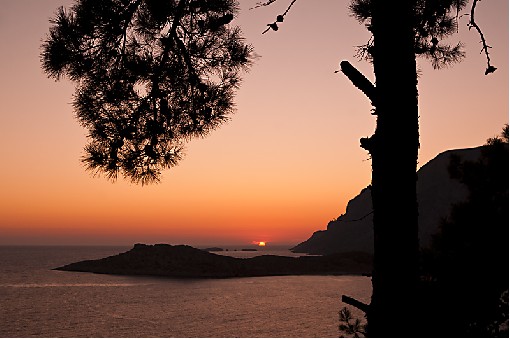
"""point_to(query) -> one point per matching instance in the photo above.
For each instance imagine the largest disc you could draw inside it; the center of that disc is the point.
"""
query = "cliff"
(187, 262)
(436, 193)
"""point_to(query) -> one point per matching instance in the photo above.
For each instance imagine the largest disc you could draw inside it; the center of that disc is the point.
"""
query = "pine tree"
(401, 31)
(150, 75)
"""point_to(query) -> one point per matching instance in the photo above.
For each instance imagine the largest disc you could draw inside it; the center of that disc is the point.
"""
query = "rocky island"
(182, 261)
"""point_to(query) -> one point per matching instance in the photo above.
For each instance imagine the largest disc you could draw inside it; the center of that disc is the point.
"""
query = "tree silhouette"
(468, 266)
(150, 75)
(413, 28)
(401, 31)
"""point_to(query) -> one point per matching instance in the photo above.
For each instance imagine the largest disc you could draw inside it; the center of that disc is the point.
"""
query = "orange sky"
(285, 165)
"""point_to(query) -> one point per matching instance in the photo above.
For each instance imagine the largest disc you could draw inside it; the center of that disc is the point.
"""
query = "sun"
(262, 243)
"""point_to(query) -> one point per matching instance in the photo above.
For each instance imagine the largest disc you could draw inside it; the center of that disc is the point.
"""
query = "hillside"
(353, 231)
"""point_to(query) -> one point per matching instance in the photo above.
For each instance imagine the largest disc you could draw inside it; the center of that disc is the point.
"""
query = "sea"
(37, 301)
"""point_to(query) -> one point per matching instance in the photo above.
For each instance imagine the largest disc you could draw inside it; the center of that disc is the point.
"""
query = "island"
(183, 261)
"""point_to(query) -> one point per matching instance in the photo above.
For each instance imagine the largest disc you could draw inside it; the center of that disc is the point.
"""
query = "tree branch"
(186, 56)
(130, 11)
(279, 18)
(485, 47)
(359, 80)
(262, 4)
(363, 217)
(356, 303)
(167, 47)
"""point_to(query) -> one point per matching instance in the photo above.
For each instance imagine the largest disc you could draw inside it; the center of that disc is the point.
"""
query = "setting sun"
(262, 243)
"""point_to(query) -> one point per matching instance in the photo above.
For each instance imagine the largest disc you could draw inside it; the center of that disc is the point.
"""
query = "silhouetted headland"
(437, 192)
(182, 261)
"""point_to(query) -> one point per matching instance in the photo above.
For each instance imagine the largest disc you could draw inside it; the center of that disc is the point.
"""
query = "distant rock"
(187, 262)
(436, 192)
(213, 249)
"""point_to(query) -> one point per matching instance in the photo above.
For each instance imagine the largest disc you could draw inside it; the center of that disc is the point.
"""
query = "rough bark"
(394, 151)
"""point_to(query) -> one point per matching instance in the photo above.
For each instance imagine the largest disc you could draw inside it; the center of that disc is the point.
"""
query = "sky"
(287, 162)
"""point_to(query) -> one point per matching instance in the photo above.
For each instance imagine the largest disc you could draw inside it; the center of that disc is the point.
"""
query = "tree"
(185, 59)
(394, 152)
(150, 75)
(468, 266)
(410, 28)
(413, 28)
(400, 32)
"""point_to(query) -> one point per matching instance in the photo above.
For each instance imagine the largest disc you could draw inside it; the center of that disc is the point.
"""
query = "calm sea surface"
(39, 302)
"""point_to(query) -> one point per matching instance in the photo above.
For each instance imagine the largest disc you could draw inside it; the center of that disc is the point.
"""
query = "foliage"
(350, 326)
(434, 21)
(501, 138)
(467, 269)
(150, 75)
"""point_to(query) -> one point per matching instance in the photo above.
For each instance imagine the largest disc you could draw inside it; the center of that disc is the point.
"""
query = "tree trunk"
(394, 151)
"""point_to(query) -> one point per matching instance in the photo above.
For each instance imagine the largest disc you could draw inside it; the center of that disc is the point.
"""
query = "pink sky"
(286, 164)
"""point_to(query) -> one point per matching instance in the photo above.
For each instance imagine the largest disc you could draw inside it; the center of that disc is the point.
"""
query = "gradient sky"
(286, 164)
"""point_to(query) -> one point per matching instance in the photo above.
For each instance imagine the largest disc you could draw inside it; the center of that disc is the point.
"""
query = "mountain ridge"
(436, 193)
